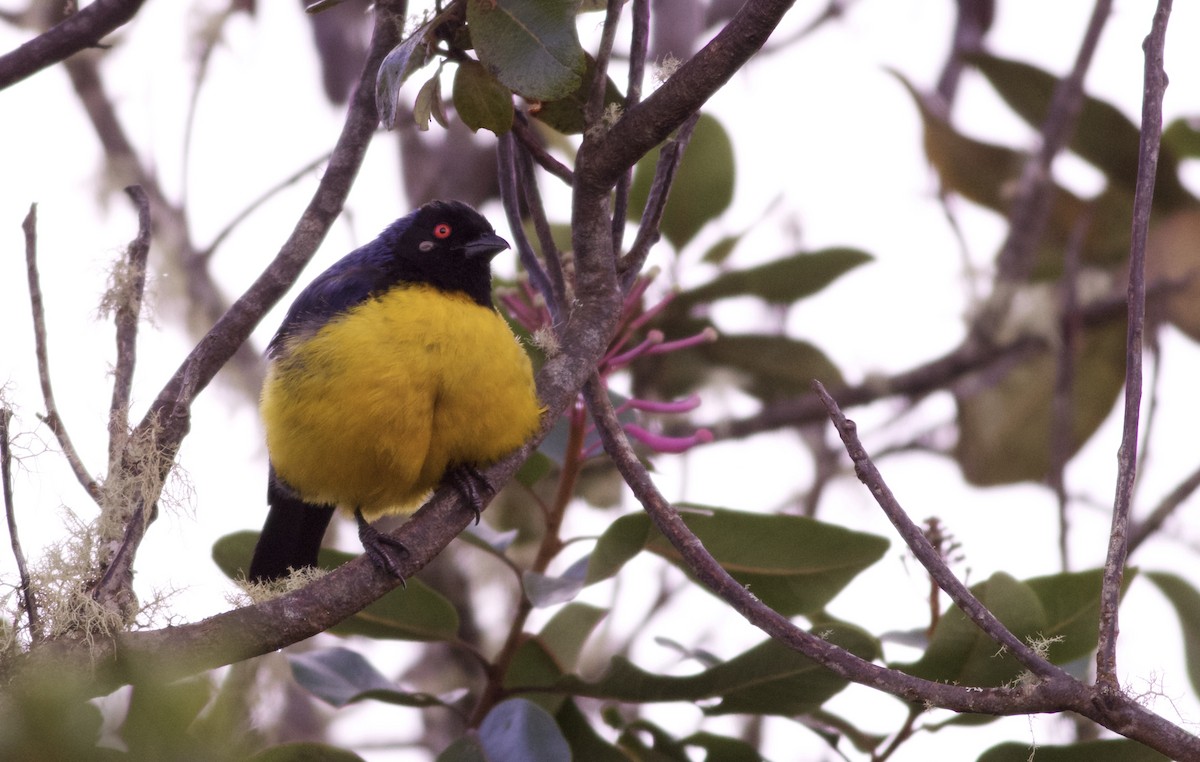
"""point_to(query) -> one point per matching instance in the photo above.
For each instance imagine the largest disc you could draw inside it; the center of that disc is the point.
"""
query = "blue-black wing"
(350, 281)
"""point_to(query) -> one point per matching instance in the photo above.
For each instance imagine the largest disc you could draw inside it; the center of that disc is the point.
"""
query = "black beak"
(487, 245)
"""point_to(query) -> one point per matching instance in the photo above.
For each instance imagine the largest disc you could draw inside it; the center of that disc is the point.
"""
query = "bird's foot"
(474, 487)
(385, 551)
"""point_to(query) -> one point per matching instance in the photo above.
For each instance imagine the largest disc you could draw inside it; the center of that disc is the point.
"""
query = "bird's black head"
(448, 245)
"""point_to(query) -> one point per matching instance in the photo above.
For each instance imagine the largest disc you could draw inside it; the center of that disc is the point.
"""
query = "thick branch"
(78, 31)
(649, 123)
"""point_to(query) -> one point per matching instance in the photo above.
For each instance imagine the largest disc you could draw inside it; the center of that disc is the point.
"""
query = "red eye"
(441, 230)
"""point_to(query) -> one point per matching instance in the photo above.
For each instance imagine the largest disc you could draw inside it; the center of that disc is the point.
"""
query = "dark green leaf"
(719, 748)
(783, 281)
(768, 679)
(397, 66)
(518, 730)
(720, 251)
(1072, 605)
(1104, 137)
(567, 631)
(566, 114)
(961, 654)
(413, 612)
(465, 749)
(1115, 750)
(232, 553)
(703, 186)
(1182, 137)
(530, 45)
(156, 726)
(767, 366)
(586, 743)
(793, 564)
(1186, 600)
(305, 752)
(481, 101)
(1004, 426)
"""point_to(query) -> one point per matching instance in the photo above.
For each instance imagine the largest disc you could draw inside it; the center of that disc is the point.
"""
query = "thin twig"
(1034, 195)
(1169, 504)
(1062, 406)
(529, 139)
(129, 290)
(254, 205)
(923, 550)
(27, 593)
(41, 351)
(541, 225)
(1154, 87)
(656, 203)
(1032, 203)
(510, 195)
(593, 109)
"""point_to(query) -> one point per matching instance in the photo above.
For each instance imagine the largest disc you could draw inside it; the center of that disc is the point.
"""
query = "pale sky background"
(821, 125)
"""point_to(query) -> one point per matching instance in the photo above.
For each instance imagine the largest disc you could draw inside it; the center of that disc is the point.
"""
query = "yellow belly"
(371, 410)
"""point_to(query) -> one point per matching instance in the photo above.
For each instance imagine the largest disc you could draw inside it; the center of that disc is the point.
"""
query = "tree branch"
(1154, 87)
(78, 31)
(648, 123)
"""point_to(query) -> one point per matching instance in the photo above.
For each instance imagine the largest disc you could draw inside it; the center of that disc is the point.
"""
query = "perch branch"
(1155, 85)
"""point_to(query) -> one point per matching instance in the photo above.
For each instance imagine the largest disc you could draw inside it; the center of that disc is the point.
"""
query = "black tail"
(291, 535)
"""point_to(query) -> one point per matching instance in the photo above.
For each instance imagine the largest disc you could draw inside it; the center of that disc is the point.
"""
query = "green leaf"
(414, 612)
(1071, 602)
(567, 631)
(1115, 750)
(305, 752)
(1104, 137)
(156, 725)
(1182, 138)
(232, 553)
(783, 281)
(518, 730)
(565, 114)
(481, 101)
(586, 743)
(530, 45)
(703, 186)
(793, 564)
(1004, 424)
(1186, 601)
(397, 66)
(718, 748)
(465, 749)
(770, 678)
(340, 676)
(1060, 611)
(961, 653)
(767, 366)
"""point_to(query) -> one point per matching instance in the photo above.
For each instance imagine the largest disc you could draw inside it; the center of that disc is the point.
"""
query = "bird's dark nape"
(291, 536)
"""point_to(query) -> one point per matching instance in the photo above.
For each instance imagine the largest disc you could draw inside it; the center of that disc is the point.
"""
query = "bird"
(391, 374)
